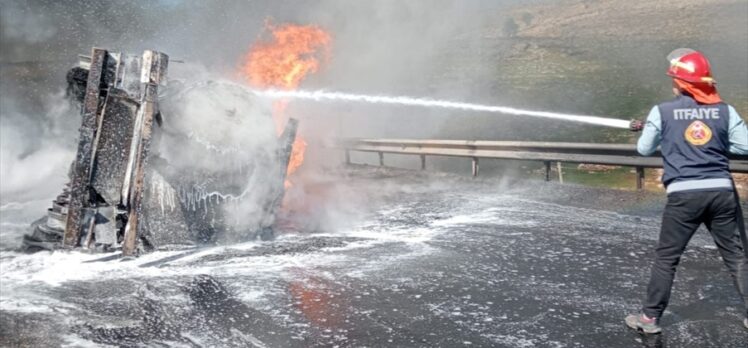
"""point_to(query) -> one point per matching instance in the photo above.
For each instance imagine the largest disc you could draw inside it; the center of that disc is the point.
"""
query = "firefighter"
(696, 130)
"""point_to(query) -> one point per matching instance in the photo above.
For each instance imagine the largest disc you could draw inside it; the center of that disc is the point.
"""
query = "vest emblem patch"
(698, 133)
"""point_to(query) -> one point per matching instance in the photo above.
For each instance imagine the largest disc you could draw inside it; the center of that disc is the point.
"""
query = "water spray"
(445, 104)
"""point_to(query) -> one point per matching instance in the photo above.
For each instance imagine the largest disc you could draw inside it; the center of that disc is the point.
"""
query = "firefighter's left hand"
(636, 126)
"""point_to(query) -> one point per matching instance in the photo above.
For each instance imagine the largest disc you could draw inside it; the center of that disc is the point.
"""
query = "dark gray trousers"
(719, 211)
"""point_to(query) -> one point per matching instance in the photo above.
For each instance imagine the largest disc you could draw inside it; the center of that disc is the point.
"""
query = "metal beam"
(496, 145)
(153, 71)
(606, 154)
(80, 191)
(520, 155)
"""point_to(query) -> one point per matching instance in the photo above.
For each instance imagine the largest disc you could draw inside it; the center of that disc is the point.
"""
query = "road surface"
(395, 259)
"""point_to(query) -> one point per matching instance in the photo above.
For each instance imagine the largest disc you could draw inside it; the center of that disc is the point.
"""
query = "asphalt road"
(393, 259)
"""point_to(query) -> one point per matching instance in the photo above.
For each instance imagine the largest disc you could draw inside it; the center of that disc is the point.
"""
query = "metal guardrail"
(547, 152)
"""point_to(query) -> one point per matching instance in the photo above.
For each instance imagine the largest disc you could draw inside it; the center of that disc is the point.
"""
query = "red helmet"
(690, 65)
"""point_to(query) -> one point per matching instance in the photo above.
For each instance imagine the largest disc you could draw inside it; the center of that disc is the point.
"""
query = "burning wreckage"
(153, 169)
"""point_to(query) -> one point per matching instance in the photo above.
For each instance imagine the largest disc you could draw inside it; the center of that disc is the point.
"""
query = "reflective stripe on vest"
(697, 185)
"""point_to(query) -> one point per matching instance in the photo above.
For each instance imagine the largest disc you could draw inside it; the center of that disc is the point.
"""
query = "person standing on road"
(696, 130)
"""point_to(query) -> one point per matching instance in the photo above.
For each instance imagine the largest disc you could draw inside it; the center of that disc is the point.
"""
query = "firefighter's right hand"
(636, 126)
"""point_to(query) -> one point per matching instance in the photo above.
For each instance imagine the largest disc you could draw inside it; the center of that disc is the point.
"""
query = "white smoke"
(219, 131)
(36, 150)
(25, 23)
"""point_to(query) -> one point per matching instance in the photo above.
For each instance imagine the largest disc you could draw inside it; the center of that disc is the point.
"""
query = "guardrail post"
(560, 172)
(381, 159)
(475, 166)
(347, 156)
(423, 162)
(547, 170)
(639, 178)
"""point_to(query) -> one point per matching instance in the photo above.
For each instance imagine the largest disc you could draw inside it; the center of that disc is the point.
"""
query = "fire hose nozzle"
(636, 126)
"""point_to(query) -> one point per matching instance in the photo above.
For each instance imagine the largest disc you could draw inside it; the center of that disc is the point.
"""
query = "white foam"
(493, 216)
(73, 341)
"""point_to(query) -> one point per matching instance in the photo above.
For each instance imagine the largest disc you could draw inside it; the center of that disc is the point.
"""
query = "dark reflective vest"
(695, 140)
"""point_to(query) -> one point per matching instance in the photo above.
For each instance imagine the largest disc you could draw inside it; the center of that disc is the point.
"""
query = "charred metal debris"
(119, 185)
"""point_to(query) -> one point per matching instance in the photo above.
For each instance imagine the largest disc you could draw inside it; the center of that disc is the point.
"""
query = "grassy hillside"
(601, 57)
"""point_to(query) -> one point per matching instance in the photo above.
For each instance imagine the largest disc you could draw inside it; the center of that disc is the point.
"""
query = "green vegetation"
(622, 178)
(618, 178)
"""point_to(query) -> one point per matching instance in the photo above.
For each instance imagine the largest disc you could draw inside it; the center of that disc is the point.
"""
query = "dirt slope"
(633, 19)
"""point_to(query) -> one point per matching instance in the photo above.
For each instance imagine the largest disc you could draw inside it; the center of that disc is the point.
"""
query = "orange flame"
(283, 61)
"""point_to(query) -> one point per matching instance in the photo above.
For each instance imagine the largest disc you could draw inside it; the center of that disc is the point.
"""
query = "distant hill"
(617, 20)
(635, 35)
(604, 57)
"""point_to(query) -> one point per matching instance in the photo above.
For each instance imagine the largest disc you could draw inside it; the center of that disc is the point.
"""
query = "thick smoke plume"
(565, 56)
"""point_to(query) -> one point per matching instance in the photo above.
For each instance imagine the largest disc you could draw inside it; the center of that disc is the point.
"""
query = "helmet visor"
(678, 53)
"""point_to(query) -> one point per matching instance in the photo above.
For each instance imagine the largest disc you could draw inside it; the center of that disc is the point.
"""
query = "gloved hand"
(636, 126)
